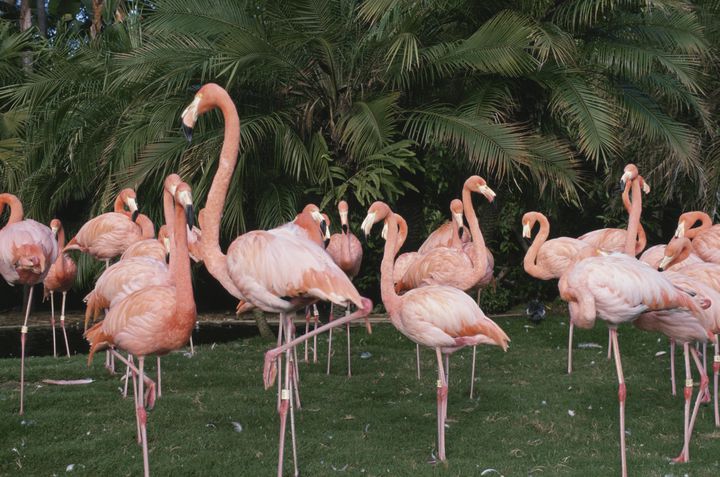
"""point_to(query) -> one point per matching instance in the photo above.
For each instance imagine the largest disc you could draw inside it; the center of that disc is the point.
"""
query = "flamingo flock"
(144, 305)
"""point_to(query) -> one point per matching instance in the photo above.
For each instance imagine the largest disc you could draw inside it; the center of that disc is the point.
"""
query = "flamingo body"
(27, 251)
(106, 236)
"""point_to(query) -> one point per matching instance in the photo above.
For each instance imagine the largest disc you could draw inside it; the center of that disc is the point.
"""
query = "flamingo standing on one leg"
(346, 251)
(156, 319)
(279, 270)
(549, 259)
(60, 279)
(27, 251)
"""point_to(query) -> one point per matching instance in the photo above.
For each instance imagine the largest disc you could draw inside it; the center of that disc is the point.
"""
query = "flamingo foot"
(681, 459)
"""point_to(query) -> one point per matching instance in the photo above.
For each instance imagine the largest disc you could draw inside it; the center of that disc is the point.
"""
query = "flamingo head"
(677, 250)
(456, 209)
(171, 183)
(190, 114)
(325, 228)
(629, 173)
(55, 226)
(343, 211)
(129, 198)
(478, 184)
(528, 221)
(164, 238)
(183, 196)
(378, 211)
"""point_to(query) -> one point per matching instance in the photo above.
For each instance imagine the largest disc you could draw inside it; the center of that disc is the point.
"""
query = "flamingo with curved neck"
(60, 278)
(705, 237)
(16, 208)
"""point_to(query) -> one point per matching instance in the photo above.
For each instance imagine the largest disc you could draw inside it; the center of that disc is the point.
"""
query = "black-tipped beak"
(189, 215)
(622, 186)
(461, 232)
(134, 215)
(326, 242)
(661, 269)
(323, 227)
(167, 258)
(188, 132)
(345, 228)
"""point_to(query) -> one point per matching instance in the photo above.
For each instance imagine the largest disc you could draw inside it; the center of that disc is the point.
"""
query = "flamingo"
(27, 251)
(156, 319)
(157, 248)
(613, 240)
(445, 235)
(16, 209)
(346, 251)
(109, 235)
(655, 254)
(278, 270)
(60, 279)
(705, 237)
(438, 316)
(549, 259)
(617, 289)
(684, 327)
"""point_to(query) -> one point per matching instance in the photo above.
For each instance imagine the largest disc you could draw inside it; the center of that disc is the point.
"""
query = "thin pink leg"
(330, 333)
(570, 347)
(347, 327)
(442, 391)
(447, 368)
(137, 400)
(52, 322)
(127, 376)
(610, 344)
(307, 328)
(703, 391)
(704, 360)
(281, 326)
(417, 357)
(295, 372)
(159, 379)
(316, 315)
(192, 347)
(142, 415)
(622, 394)
(150, 395)
(472, 373)
(672, 367)
(293, 386)
(284, 405)
(716, 369)
(23, 338)
(62, 323)
(685, 453)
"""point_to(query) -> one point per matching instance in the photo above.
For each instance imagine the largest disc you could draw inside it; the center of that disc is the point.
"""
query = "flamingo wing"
(440, 266)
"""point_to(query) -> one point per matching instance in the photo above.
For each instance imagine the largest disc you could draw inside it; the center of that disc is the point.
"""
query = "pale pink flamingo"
(158, 248)
(549, 259)
(617, 289)
(346, 251)
(60, 279)
(613, 240)
(277, 270)
(155, 320)
(446, 235)
(684, 327)
(441, 317)
(705, 237)
(109, 235)
(16, 209)
(27, 251)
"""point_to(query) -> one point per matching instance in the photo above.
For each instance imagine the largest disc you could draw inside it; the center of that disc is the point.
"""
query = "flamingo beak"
(664, 262)
(189, 117)
(384, 231)
(487, 192)
(185, 200)
(625, 177)
(133, 207)
(54, 231)
(526, 230)
(367, 223)
(680, 231)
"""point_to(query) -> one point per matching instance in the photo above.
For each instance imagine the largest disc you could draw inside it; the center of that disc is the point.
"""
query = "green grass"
(379, 422)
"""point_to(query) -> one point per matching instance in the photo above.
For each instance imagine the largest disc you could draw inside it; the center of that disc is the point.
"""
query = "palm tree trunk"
(26, 24)
(98, 6)
(263, 325)
(41, 17)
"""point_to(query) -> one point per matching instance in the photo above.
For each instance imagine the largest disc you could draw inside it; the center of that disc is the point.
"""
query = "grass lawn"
(382, 421)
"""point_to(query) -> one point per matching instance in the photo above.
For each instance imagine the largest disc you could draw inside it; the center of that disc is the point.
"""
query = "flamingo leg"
(307, 328)
(442, 391)
(137, 399)
(52, 322)
(610, 344)
(281, 325)
(127, 376)
(330, 333)
(293, 385)
(159, 379)
(716, 369)
(570, 345)
(316, 314)
(417, 357)
(192, 347)
(704, 358)
(284, 403)
(23, 338)
(702, 393)
(142, 416)
(347, 327)
(447, 367)
(150, 396)
(684, 454)
(472, 372)
(62, 323)
(672, 366)
(622, 393)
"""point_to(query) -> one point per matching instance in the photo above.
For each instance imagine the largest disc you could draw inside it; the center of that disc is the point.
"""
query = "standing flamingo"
(446, 235)
(157, 319)
(109, 235)
(549, 259)
(60, 278)
(27, 251)
(346, 251)
(705, 237)
(278, 270)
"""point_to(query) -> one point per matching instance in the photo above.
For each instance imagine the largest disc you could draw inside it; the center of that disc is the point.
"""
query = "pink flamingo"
(613, 240)
(655, 254)
(109, 235)
(157, 248)
(437, 316)
(27, 251)
(277, 270)
(684, 327)
(446, 234)
(60, 279)
(155, 320)
(346, 251)
(705, 237)
(549, 259)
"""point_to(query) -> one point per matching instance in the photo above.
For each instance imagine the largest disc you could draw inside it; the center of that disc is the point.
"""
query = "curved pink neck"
(387, 289)
(455, 241)
(478, 241)
(214, 258)
(634, 218)
(530, 260)
(180, 263)
(402, 232)
(60, 260)
(16, 208)
(169, 212)
(146, 225)
(691, 218)
(641, 236)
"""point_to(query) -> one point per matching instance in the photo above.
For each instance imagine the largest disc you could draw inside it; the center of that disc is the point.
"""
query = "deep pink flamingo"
(154, 320)
(27, 251)
(59, 279)
(346, 251)
(278, 270)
